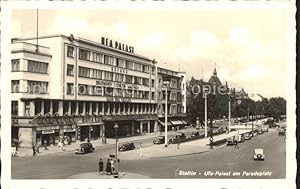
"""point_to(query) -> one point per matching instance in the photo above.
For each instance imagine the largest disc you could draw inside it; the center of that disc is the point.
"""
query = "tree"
(276, 107)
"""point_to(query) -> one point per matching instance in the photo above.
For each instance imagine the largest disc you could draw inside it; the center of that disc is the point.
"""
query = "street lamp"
(116, 127)
(205, 114)
(165, 86)
(229, 112)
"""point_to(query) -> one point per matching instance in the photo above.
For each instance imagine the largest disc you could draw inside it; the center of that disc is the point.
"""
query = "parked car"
(247, 136)
(159, 140)
(230, 140)
(259, 154)
(281, 131)
(220, 130)
(195, 133)
(126, 146)
(265, 128)
(85, 148)
(239, 138)
(260, 131)
(179, 136)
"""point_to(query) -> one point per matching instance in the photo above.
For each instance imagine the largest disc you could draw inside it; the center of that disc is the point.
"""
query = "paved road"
(222, 159)
(227, 159)
(61, 165)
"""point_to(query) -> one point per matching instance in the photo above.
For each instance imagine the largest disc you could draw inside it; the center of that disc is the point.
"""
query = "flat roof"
(83, 40)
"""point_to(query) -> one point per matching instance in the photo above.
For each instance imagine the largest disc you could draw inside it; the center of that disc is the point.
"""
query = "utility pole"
(166, 83)
(205, 114)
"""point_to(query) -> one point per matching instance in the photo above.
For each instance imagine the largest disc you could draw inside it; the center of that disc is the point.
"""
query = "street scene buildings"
(76, 88)
(89, 106)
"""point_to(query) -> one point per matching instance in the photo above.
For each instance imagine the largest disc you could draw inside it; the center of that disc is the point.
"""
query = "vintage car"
(247, 136)
(281, 131)
(230, 140)
(265, 128)
(195, 133)
(260, 131)
(177, 138)
(126, 146)
(259, 154)
(159, 140)
(85, 148)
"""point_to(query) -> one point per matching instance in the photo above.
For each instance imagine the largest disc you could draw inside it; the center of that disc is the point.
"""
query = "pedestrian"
(100, 165)
(236, 143)
(37, 148)
(33, 150)
(178, 144)
(61, 146)
(112, 162)
(108, 167)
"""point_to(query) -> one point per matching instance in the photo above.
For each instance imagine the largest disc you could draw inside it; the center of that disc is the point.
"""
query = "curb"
(98, 147)
(188, 154)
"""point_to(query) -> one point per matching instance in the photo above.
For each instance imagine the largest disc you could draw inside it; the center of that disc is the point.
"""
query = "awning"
(163, 123)
(89, 124)
(184, 122)
(176, 123)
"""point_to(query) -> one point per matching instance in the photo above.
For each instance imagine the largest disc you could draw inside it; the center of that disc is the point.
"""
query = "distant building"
(176, 103)
(195, 95)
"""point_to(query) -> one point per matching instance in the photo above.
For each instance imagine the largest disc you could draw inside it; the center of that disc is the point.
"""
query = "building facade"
(67, 87)
(176, 98)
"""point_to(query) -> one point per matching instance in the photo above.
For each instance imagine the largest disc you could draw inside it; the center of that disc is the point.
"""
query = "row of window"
(107, 91)
(101, 106)
(33, 87)
(105, 59)
(32, 66)
(105, 75)
(173, 96)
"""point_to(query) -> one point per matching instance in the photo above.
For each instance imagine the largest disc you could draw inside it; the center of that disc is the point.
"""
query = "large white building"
(72, 87)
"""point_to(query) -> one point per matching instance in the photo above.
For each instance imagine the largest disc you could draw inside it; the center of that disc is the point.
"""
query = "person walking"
(113, 168)
(236, 143)
(100, 165)
(108, 167)
(33, 150)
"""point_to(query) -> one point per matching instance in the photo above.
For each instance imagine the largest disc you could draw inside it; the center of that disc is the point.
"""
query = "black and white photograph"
(166, 91)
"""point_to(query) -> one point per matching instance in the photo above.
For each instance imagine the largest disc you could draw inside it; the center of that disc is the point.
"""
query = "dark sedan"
(126, 147)
(85, 148)
(177, 138)
(195, 133)
(159, 140)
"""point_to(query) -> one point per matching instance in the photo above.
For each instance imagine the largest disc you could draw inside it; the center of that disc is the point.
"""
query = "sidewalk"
(96, 143)
(173, 150)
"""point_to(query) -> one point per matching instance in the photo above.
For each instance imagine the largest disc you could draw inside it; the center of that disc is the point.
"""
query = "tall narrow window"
(70, 70)
(70, 51)
(15, 84)
(14, 108)
(15, 65)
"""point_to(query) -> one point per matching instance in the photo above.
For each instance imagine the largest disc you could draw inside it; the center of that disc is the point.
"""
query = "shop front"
(48, 137)
(70, 134)
(90, 131)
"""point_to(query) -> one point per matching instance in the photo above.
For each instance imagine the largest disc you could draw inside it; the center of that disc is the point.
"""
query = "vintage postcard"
(148, 94)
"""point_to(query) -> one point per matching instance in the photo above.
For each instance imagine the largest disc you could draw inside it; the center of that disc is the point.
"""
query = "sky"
(247, 46)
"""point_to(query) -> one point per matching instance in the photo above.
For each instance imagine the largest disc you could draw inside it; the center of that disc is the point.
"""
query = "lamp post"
(165, 86)
(205, 114)
(229, 113)
(116, 127)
